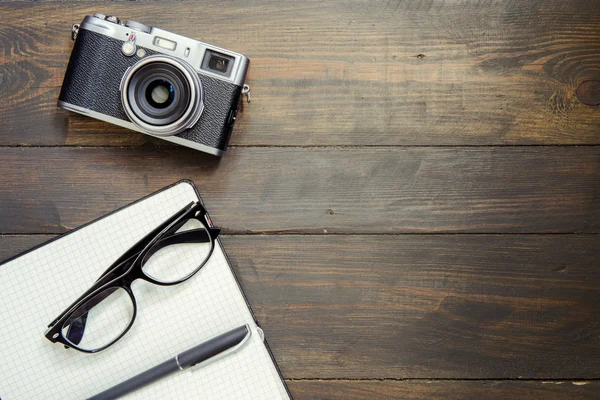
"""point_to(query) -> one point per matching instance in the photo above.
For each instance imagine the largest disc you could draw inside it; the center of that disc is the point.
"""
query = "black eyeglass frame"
(129, 267)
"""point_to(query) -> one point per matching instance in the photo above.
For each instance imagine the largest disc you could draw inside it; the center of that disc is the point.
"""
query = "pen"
(200, 355)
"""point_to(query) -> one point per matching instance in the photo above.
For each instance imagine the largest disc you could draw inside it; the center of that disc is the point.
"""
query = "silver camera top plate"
(186, 49)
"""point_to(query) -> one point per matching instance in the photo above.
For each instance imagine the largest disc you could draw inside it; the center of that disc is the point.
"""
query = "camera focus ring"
(162, 95)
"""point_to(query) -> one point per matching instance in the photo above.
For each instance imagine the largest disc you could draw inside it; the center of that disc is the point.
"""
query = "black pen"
(202, 354)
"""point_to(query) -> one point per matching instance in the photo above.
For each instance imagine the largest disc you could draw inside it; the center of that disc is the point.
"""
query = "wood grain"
(446, 390)
(341, 72)
(386, 260)
(421, 306)
(329, 190)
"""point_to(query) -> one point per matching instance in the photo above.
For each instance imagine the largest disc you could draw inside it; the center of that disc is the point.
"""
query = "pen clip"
(224, 353)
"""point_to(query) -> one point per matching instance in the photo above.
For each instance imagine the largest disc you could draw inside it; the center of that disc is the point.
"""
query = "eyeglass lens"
(100, 320)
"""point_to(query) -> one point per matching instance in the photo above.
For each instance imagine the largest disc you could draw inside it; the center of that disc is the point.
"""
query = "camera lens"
(159, 93)
(218, 63)
(162, 95)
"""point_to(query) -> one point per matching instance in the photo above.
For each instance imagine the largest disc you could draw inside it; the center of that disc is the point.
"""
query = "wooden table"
(411, 200)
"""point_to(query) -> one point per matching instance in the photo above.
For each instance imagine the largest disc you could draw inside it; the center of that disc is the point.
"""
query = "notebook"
(39, 284)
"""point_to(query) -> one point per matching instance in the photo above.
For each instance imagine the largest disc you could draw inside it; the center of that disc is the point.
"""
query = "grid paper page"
(36, 287)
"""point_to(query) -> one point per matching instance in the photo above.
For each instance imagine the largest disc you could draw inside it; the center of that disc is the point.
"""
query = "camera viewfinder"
(217, 63)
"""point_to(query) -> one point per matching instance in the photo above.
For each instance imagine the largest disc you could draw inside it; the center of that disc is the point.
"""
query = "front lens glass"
(100, 320)
(160, 93)
(179, 255)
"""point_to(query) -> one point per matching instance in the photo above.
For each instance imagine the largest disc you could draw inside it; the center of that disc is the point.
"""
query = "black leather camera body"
(156, 82)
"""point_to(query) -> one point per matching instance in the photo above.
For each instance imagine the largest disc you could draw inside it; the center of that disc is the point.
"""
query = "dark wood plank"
(342, 72)
(13, 245)
(375, 190)
(426, 306)
(421, 306)
(447, 390)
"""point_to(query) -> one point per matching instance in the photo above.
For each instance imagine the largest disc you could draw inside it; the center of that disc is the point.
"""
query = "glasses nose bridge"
(128, 279)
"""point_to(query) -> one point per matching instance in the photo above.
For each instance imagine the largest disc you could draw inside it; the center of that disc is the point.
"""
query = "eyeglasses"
(170, 254)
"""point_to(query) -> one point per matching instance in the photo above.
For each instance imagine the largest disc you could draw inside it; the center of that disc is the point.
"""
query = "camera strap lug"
(74, 31)
(246, 91)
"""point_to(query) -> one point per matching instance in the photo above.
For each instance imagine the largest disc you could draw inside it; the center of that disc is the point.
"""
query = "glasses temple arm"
(191, 236)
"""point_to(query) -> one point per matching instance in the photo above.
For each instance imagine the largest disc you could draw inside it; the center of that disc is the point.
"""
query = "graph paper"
(37, 286)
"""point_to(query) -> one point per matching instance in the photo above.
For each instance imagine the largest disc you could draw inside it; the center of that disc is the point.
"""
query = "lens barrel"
(162, 95)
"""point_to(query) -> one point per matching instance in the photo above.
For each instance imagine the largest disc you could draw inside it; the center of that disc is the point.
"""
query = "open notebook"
(36, 286)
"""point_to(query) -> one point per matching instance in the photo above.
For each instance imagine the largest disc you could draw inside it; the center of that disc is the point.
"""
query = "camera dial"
(137, 26)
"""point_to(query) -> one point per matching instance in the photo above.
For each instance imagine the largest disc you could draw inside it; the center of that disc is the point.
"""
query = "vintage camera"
(156, 82)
